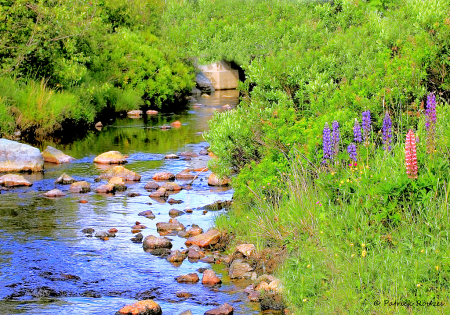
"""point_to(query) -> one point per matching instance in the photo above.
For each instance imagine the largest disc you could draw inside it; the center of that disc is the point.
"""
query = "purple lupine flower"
(430, 123)
(357, 132)
(366, 125)
(351, 149)
(327, 144)
(387, 132)
(431, 110)
(335, 137)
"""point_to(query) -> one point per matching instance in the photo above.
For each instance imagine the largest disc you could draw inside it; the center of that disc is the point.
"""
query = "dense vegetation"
(71, 61)
(354, 234)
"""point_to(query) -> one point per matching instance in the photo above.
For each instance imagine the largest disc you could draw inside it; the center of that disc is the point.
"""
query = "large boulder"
(110, 157)
(19, 157)
(122, 172)
(209, 238)
(52, 155)
(203, 83)
(10, 180)
(145, 307)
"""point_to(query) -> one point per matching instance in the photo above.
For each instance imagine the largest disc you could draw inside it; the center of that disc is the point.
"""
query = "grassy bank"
(361, 239)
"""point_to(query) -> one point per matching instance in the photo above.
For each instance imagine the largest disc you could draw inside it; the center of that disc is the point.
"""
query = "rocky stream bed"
(94, 251)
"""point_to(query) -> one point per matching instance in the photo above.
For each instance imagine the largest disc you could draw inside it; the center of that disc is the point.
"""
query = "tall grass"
(33, 106)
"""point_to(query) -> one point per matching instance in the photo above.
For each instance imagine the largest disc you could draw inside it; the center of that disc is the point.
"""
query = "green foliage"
(109, 49)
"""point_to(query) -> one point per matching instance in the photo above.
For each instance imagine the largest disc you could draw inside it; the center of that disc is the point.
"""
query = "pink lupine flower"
(410, 155)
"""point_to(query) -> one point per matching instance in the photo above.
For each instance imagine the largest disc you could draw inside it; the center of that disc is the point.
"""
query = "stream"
(49, 266)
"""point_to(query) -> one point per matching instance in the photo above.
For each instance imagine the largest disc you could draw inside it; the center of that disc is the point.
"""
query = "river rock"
(54, 193)
(189, 278)
(135, 113)
(110, 157)
(10, 180)
(189, 154)
(151, 186)
(224, 309)
(176, 124)
(194, 252)
(163, 176)
(203, 83)
(246, 249)
(185, 296)
(208, 259)
(194, 231)
(148, 214)
(18, 157)
(118, 183)
(171, 186)
(175, 213)
(165, 127)
(52, 155)
(213, 180)
(151, 112)
(153, 242)
(210, 278)
(80, 187)
(65, 179)
(175, 256)
(203, 152)
(209, 238)
(171, 157)
(122, 172)
(105, 189)
(265, 277)
(226, 107)
(138, 226)
(263, 285)
(172, 201)
(160, 252)
(172, 225)
(185, 175)
(240, 269)
(98, 125)
(137, 238)
(159, 193)
(145, 307)
(88, 230)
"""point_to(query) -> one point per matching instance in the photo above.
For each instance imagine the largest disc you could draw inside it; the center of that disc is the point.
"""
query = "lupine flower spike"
(430, 123)
(410, 155)
(351, 149)
(327, 144)
(387, 132)
(335, 137)
(366, 125)
(357, 137)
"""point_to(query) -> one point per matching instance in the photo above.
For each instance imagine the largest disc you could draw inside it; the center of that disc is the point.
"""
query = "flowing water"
(49, 266)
